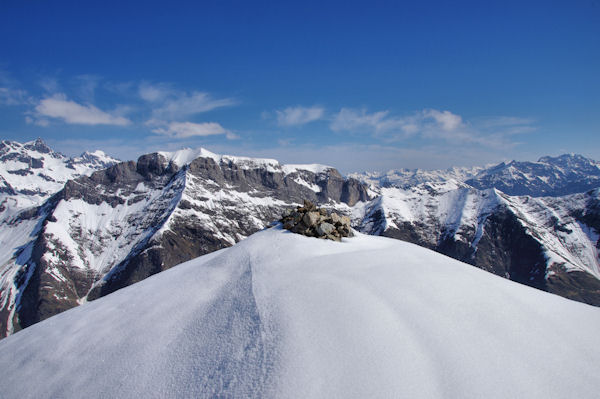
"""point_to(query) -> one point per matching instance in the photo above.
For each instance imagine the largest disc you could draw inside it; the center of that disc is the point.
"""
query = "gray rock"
(311, 221)
(336, 219)
(311, 218)
(325, 228)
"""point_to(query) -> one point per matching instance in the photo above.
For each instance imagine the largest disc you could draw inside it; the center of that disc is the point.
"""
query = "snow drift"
(282, 315)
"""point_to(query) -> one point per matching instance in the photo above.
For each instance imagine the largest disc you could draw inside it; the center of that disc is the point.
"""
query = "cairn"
(311, 221)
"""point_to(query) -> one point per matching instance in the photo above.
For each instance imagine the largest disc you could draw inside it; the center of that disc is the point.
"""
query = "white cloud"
(350, 119)
(445, 119)
(171, 104)
(295, 116)
(377, 122)
(381, 122)
(433, 124)
(189, 104)
(49, 84)
(59, 107)
(189, 129)
(154, 92)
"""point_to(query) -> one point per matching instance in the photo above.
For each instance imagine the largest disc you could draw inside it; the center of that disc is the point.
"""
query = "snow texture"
(284, 316)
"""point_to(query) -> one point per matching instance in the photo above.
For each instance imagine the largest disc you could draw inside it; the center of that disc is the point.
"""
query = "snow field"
(281, 315)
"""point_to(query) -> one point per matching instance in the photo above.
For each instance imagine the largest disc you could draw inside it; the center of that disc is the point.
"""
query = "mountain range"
(76, 229)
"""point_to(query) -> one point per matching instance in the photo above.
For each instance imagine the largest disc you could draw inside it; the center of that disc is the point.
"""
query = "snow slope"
(281, 315)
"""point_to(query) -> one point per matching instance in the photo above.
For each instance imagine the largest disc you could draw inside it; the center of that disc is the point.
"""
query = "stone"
(333, 237)
(336, 219)
(309, 205)
(311, 221)
(288, 224)
(325, 228)
(311, 218)
(297, 216)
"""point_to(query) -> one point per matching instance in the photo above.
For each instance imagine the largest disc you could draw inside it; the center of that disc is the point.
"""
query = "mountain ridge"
(549, 176)
(118, 225)
(126, 222)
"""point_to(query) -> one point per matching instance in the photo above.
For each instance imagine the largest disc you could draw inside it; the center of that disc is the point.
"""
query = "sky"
(361, 86)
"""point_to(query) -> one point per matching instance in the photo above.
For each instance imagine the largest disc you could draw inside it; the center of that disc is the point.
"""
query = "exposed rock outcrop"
(311, 221)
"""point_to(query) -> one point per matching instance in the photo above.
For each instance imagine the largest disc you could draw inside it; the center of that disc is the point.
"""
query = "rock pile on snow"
(311, 221)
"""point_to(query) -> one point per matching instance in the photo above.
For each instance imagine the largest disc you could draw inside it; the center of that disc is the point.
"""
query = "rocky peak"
(155, 164)
(38, 145)
(311, 221)
(97, 159)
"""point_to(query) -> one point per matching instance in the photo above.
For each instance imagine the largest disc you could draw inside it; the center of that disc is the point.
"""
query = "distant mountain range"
(549, 176)
(75, 229)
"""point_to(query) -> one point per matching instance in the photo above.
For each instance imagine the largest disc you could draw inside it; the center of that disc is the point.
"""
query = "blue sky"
(357, 85)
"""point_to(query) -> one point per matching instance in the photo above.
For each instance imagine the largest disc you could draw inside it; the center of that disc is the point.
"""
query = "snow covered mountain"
(30, 173)
(549, 176)
(122, 224)
(550, 243)
(285, 316)
(35, 172)
(119, 225)
(406, 178)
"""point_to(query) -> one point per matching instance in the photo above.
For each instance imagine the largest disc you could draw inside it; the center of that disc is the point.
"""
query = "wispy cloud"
(170, 104)
(189, 129)
(87, 86)
(59, 107)
(154, 92)
(10, 91)
(446, 120)
(49, 84)
(296, 116)
(432, 124)
(190, 104)
(10, 96)
(509, 125)
(378, 123)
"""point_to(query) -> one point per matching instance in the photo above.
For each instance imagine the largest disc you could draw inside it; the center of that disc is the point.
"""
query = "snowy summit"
(285, 316)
